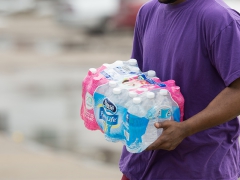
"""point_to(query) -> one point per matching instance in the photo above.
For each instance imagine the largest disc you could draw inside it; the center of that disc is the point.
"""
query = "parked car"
(127, 12)
(90, 15)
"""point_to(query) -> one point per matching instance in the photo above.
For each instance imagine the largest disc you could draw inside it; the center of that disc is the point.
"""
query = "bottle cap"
(106, 65)
(137, 100)
(132, 94)
(164, 92)
(112, 84)
(117, 91)
(119, 62)
(151, 73)
(150, 95)
(135, 69)
(93, 70)
(132, 62)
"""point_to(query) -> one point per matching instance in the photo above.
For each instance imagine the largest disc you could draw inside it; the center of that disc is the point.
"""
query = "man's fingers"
(163, 124)
(153, 146)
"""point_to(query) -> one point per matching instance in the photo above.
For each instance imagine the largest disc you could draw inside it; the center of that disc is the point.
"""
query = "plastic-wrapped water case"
(124, 103)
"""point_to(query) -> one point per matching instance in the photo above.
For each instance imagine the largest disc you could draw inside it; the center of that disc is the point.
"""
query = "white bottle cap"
(135, 69)
(117, 91)
(150, 95)
(151, 73)
(93, 70)
(137, 100)
(164, 92)
(119, 62)
(106, 65)
(132, 62)
(132, 94)
(112, 84)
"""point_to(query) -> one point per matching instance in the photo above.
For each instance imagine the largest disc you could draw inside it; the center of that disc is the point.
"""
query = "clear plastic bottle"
(149, 101)
(92, 71)
(151, 131)
(119, 63)
(133, 62)
(179, 99)
(170, 83)
(107, 89)
(135, 126)
(150, 74)
(114, 105)
(141, 90)
(164, 107)
(135, 70)
(87, 112)
(119, 96)
(131, 95)
(106, 65)
(142, 93)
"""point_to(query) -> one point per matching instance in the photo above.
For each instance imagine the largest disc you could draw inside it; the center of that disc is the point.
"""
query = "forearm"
(223, 108)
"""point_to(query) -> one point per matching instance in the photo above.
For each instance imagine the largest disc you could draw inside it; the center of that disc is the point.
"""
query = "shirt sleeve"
(225, 53)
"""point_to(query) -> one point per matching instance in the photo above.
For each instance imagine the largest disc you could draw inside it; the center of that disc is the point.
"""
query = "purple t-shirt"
(196, 43)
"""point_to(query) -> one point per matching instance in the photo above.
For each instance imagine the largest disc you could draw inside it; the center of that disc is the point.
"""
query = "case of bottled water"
(124, 103)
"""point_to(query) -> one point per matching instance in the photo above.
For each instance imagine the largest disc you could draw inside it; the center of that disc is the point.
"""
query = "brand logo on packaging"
(165, 113)
(108, 112)
(109, 106)
(89, 101)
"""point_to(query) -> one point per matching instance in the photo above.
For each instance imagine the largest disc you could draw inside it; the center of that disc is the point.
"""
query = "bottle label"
(134, 128)
(165, 113)
(109, 119)
(109, 106)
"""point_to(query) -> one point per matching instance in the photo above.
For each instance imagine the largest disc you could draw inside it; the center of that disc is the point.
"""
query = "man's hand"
(172, 135)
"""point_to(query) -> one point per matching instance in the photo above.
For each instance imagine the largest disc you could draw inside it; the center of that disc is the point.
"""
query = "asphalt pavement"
(30, 161)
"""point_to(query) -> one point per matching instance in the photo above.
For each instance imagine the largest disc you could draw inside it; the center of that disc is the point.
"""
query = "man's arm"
(224, 107)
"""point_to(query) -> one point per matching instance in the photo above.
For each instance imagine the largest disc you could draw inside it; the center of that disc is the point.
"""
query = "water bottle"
(179, 99)
(119, 96)
(92, 71)
(134, 70)
(150, 74)
(164, 107)
(115, 111)
(131, 95)
(87, 108)
(141, 90)
(106, 65)
(133, 62)
(151, 131)
(135, 126)
(118, 63)
(107, 89)
(170, 83)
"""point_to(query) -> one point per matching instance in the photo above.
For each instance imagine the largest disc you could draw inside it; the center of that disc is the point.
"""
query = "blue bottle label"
(109, 119)
(165, 113)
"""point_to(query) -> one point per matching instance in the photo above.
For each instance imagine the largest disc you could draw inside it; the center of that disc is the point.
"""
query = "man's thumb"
(161, 124)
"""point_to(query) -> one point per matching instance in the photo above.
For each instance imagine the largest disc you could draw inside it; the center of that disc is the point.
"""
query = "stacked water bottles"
(124, 103)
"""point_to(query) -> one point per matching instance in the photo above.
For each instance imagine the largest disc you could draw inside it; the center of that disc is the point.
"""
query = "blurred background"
(46, 49)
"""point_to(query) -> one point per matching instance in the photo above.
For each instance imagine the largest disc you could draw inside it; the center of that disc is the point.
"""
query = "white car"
(90, 15)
